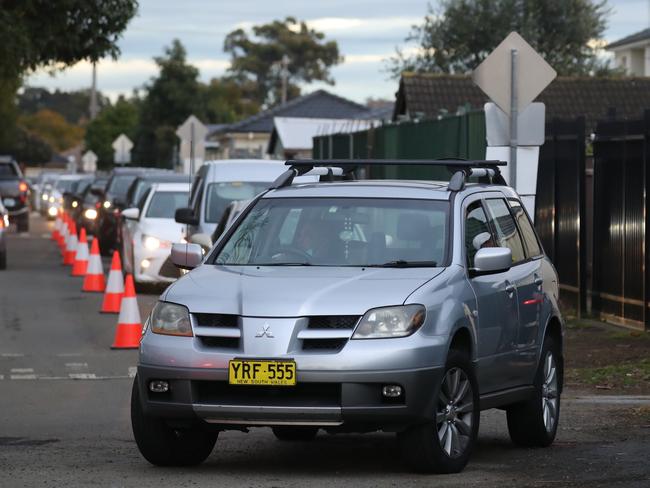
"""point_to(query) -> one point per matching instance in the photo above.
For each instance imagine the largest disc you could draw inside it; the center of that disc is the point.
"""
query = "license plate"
(9, 202)
(261, 372)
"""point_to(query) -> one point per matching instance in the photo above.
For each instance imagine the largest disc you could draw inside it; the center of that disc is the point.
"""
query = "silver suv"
(355, 306)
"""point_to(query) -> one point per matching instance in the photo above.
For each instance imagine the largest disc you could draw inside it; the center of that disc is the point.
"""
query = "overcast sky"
(367, 32)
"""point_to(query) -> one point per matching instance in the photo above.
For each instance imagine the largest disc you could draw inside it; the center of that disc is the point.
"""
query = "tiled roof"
(631, 39)
(318, 104)
(565, 97)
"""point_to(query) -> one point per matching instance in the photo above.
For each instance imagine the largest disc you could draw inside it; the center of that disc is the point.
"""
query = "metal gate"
(620, 267)
(560, 208)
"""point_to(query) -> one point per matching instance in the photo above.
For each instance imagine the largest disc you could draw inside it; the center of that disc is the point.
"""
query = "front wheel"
(445, 444)
(164, 446)
(534, 423)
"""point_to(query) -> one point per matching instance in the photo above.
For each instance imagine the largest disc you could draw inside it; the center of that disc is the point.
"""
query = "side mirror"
(492, 260)
(186, 216)
(202, 240)
(131, 213)
(186, 256)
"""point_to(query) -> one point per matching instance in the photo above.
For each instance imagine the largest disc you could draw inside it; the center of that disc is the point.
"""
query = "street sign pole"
(514, 101)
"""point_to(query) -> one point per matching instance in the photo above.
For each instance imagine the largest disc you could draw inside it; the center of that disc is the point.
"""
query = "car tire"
(445, 444)
(162, 445)
(533, 423)
(295, 433)
(3, 260)
(22, 224)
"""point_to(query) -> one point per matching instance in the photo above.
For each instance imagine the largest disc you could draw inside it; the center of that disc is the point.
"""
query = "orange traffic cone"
(114, 287)
(71, 246)
(94, 280)
(129, 327)
(64, 234)
(81, 257)
(57, 226)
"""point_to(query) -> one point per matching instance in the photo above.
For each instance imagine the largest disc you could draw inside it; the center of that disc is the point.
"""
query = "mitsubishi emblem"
(265, 331)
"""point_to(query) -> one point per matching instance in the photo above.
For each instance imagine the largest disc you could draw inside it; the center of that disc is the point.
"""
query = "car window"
(220, 195)
(526, 228)
(339, 232)
(477, 231)
(505, 228)
(7, 171)
(163, 204)
(119, 184)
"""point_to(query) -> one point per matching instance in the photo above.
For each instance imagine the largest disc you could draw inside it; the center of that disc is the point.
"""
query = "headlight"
(107, 204)
(152, 243)
(170, 319)
(45, 197)
(75, 204)
(51, 199)
(52, 211)
(385, 322)
(90, 214)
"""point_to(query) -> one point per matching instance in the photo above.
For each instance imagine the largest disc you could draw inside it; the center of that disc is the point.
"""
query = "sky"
(367, 32)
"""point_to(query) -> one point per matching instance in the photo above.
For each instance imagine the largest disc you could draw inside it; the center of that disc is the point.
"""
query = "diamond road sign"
(533, 73)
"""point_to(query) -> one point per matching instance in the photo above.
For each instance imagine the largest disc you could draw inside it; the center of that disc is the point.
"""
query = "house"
(249, 138)
(632, 53)
(292, 137)
(432, 95)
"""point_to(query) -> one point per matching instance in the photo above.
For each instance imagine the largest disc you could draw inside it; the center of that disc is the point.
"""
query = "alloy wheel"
(549, 392)
(454, 413)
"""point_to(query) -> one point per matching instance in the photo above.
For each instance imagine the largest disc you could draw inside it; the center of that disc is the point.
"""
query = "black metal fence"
(560, 208)
(620, 261)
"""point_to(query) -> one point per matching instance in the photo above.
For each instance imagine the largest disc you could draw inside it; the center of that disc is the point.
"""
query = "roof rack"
(461, 168)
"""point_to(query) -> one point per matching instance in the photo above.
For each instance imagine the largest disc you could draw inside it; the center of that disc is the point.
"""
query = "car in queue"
(355, 306)
(65, 184)
(14, 192)
(89, 202)
(153, 230)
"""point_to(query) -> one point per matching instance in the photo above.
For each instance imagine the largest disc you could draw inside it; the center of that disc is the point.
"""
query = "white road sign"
(533, 73)
(122, 147)
(530, 125)
(89, 162)
(192, 132)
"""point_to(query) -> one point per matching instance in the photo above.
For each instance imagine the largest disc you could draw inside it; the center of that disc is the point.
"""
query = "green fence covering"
(457, 136)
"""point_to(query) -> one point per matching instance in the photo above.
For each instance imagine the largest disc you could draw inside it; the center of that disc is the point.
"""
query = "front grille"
(300, 395)
(333, 321)
(216, 320)
(169, 269)
(333, 345)
(220, 342)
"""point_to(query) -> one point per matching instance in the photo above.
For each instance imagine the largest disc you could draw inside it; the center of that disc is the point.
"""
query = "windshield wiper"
(284, 264)
(402, 263)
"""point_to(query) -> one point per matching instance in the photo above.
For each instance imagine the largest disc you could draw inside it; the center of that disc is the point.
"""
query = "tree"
(169, 99)
(54, 34)
(121, 118)
(52, 128)
(226, 100)
(458, 36)
(259, 58)
(72, 105)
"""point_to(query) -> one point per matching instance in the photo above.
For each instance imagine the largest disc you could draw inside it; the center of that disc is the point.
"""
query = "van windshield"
(339, 232)
(220, 195)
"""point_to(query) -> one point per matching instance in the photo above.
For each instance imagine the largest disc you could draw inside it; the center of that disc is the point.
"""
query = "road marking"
(45, 236)
(23, 234)
(22, 370)
(132, 371)
(2, 377)
(76, 365)
(83, 376)
(613, 399)
(23, 376)
(68, 354)
(12, 355)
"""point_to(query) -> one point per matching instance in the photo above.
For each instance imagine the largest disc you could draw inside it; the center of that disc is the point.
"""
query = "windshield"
(164, 204)
(119, 185)
(219, 195)
(65, 185)
(7, 171)
(339, 232)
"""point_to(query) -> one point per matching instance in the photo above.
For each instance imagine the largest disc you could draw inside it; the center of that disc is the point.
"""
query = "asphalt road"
(64, 413)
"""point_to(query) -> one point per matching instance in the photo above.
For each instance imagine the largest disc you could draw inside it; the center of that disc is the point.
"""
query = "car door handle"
(510, 289)
(538, 281)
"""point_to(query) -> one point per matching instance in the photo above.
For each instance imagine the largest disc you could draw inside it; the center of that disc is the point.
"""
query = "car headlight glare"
(75, 204)
(45, 197)
(90, 214)
(170, 319)
(151, 243)
(386, 322)
(107, 204)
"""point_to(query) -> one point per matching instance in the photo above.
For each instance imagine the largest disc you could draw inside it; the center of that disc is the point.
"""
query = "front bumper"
(349, 400)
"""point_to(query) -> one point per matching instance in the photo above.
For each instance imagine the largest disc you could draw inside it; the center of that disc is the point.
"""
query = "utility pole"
(285, 76)
(93, 109)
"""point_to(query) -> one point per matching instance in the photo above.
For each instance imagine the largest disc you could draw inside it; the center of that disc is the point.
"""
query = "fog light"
(391, 391)
(52, 211)
(145, 264)
(158, 386)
